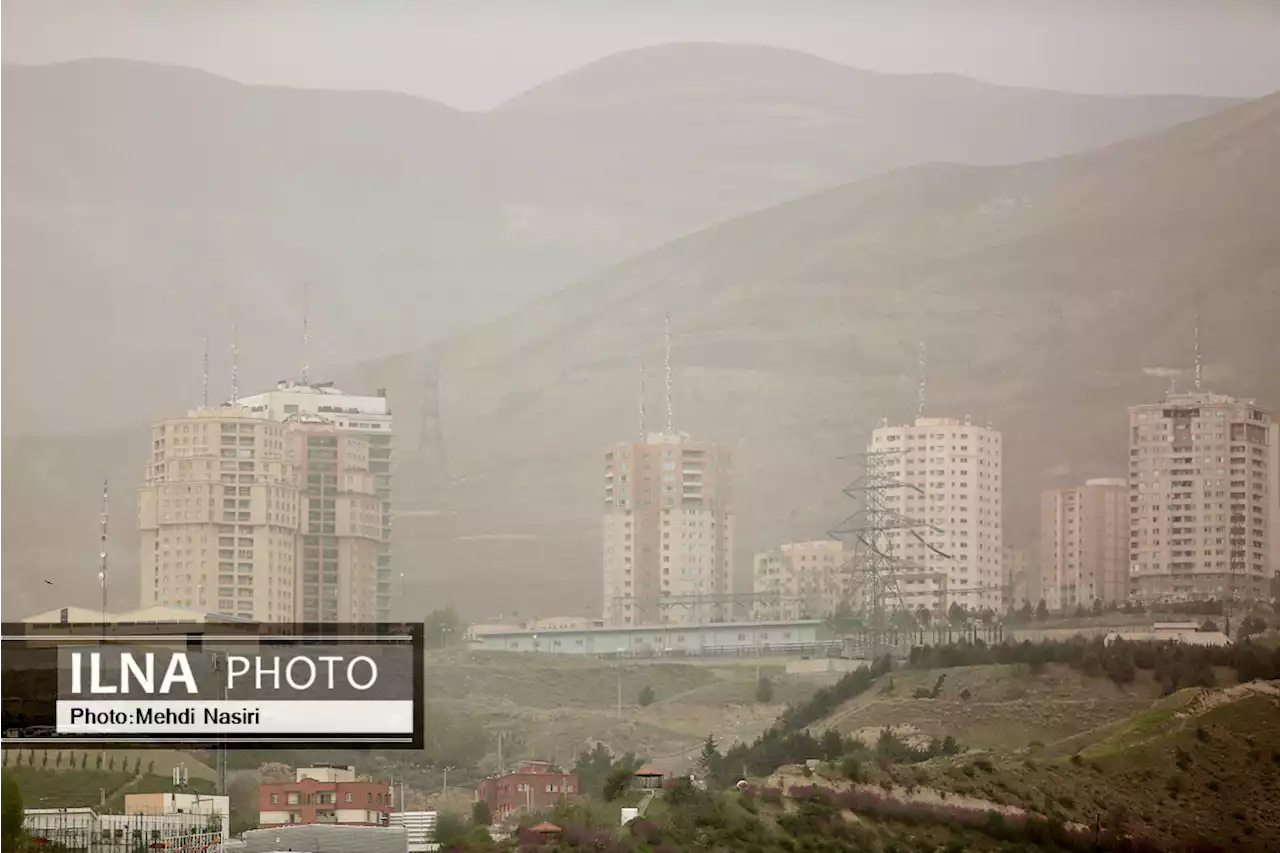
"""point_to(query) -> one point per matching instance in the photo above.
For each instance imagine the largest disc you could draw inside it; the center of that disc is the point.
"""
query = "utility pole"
(445, 791)
(221, 744)
(619, 693)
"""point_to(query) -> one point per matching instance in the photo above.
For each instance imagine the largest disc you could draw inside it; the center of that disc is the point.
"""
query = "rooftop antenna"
(306, 354)
(1198, 359)
(102, 559)
(666, 331)
(205, 376)
(643, 434)
(923, 382)
(235, 362)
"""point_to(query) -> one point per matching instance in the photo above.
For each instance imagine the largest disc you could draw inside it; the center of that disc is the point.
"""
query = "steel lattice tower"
(874, 568)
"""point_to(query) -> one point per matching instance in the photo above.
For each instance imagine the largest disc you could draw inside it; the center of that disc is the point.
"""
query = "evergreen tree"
(764, 690)
(647, 696)
(12, 835)
(481, 815)
(1042, 611)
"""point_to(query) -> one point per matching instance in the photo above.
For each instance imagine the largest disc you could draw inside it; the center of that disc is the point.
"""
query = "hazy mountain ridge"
(177, 203)
(796, 330)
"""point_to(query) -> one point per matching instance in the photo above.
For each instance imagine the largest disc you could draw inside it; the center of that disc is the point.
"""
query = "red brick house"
(324, 794)
(531, 787)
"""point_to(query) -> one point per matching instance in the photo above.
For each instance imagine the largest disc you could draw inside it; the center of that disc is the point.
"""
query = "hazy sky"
(475, 53)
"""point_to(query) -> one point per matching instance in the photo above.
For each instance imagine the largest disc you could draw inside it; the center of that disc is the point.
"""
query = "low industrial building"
(83, 829)
(317, 838)
(211, 806)
(420, 830)
(722, 638)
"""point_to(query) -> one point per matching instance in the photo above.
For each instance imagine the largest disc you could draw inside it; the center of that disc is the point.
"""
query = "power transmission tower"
(874, 568)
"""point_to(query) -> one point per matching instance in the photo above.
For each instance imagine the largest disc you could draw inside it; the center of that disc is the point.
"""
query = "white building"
(85, 830)
(668, 531)
(1202, 482)
(368, 416)
(210, 806)
(803, 580)
(420, 829)
(954, 473)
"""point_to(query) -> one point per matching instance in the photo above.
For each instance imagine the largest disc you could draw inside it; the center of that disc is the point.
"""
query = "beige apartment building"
(368, 416)
(1201, 488)
(668, 529)
(952, 470)
(218, 514)
(340, 526)
(800, 580)
(1084, 544)
(1022, 578)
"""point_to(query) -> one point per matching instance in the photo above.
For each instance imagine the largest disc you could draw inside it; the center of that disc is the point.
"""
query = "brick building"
(324, 794)
(531, 787)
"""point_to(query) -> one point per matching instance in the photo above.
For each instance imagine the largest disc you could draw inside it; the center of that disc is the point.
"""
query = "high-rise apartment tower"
(1200, 493)
(952, 470)
(668, 529)
(1084, 544)
(368, 417)
(218, 515)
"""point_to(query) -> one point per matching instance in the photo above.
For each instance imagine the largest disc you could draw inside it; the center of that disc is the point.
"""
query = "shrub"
(647, 696)
(764, 690)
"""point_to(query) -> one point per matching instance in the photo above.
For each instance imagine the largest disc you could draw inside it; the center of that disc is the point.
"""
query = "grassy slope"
(1198, 764)
(1007, 707)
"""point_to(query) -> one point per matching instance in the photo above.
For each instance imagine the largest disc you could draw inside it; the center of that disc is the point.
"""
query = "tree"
(923, 616)
(481, 815)
(710, 762)
(111, 763)
(84, 761)
(443, 628)
(451, 829)
(1042, 611)
(1026, 613)
(151, 767)
(1097, 606)
(11, 815)
(242, 795)
(1208, 625)
(956, 613)
(647, 696)
(44, 759)
(1080, 611)
(764, 690)
(618, 783)
(57, 760)
(1250, 626)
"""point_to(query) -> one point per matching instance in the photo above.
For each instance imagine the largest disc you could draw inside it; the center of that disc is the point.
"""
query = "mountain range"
(147, 207)
(1050, 295)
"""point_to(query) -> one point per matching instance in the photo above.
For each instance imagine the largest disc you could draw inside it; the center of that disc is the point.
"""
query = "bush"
(647, 696)
(764, 690)
(851, 769)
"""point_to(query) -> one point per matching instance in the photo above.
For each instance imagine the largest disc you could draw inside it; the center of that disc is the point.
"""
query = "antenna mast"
(102, 559)
(643, 435)
(923, 382)
(205, 375)
(666, 332)
(1198, 359)
(235, 362)
(306, 352)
